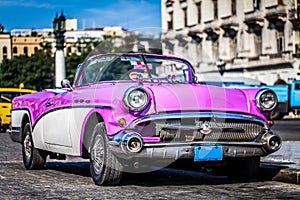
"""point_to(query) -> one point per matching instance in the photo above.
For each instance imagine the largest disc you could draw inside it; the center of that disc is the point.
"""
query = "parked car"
(6, 96)
(129, 110)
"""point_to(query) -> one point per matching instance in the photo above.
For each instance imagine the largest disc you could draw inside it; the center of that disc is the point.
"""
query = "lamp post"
(59, 27)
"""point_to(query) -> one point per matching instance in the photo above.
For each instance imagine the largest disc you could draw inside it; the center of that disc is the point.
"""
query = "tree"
(72, 62)
(36, 71)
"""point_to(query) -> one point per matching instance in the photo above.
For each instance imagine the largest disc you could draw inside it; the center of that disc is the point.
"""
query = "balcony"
(276, 12)
(254, 17)
(230, 23)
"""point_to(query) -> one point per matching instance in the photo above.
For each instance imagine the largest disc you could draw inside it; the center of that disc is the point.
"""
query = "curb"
(279, 173)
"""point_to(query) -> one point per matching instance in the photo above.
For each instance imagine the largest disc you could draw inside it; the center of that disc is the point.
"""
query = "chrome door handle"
(48, 104)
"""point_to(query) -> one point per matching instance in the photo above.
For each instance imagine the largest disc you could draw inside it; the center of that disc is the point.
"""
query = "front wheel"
(277, 115)
(32, 158)
(104, 166)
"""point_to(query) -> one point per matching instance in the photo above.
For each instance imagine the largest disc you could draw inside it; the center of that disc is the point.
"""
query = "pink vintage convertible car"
(129, 110)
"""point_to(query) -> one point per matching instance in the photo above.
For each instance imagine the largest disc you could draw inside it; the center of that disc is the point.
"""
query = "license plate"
(208, 153)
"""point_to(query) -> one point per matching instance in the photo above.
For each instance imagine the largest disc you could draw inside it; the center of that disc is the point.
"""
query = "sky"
(37, 14)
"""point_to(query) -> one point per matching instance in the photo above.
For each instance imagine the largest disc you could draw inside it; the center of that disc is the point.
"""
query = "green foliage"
(37, 71)
(72, 62)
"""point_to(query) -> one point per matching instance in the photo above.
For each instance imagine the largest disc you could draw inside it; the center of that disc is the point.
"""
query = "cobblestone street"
(71, 180)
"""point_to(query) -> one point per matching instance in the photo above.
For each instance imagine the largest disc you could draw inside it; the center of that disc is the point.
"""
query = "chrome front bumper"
(130, 143)
(120, 145)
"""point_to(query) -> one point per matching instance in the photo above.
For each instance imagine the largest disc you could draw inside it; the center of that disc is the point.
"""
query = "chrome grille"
(234, 131)
(221, 130)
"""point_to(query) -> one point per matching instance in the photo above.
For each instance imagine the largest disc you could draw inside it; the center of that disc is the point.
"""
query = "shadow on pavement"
(177, 175)
(76, 168)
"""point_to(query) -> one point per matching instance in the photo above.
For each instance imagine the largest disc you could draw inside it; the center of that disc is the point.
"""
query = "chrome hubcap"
(27, 147)
(98, 155)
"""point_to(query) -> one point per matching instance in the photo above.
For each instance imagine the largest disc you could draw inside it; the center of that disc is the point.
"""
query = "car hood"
(195, 97)
(185, 97)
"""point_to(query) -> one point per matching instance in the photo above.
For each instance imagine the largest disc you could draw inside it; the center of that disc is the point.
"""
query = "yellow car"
(7, 94)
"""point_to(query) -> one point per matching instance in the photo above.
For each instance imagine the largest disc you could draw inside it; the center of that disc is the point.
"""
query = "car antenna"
(144, 60)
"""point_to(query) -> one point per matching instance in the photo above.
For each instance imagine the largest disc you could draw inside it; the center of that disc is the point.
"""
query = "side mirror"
(65, 83)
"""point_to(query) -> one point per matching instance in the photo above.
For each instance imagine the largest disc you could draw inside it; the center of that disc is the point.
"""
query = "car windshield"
(134, 67)
(6, 97)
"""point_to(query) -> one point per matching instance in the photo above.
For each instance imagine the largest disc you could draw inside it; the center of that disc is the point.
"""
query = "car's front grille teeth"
(206, 130)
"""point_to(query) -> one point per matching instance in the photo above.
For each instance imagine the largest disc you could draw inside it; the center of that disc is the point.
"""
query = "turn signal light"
(271, 122)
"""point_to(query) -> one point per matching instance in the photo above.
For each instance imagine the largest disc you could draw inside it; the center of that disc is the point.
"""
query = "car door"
(56, 121)
(295, 94)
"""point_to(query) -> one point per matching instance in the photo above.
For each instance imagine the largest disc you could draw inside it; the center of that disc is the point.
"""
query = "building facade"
(5, 46)
(25, 45)
(29, 41)
(249, 38)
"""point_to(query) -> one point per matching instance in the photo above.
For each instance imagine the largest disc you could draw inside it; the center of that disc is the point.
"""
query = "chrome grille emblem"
(205, 128)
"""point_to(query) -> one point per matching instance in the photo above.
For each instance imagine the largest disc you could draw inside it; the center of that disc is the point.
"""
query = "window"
(35, 49)
(69, 51)
(26, 51)
(15, 50)
(256, 31)
(256, 4)
(280, 41)
(199, 12)
(185, 16)
(215, 2)
(280, 2)
(297, 86)
(258, 41)
(170, 22)
(4, 50)
(129, 67)
(233, 7)
(215, 53)
(234, 46)
(79, 49)
(6, 97)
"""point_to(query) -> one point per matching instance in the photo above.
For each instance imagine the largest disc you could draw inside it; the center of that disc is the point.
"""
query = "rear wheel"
(104, 166)
(32, 158)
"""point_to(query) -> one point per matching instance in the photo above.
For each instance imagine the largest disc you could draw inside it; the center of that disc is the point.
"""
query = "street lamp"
(59, 28)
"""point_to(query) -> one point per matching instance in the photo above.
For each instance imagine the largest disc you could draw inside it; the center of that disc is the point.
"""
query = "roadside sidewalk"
(283, 165)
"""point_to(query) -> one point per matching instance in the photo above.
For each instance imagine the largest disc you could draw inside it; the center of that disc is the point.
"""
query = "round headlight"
(266, 100)
(136, 98)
